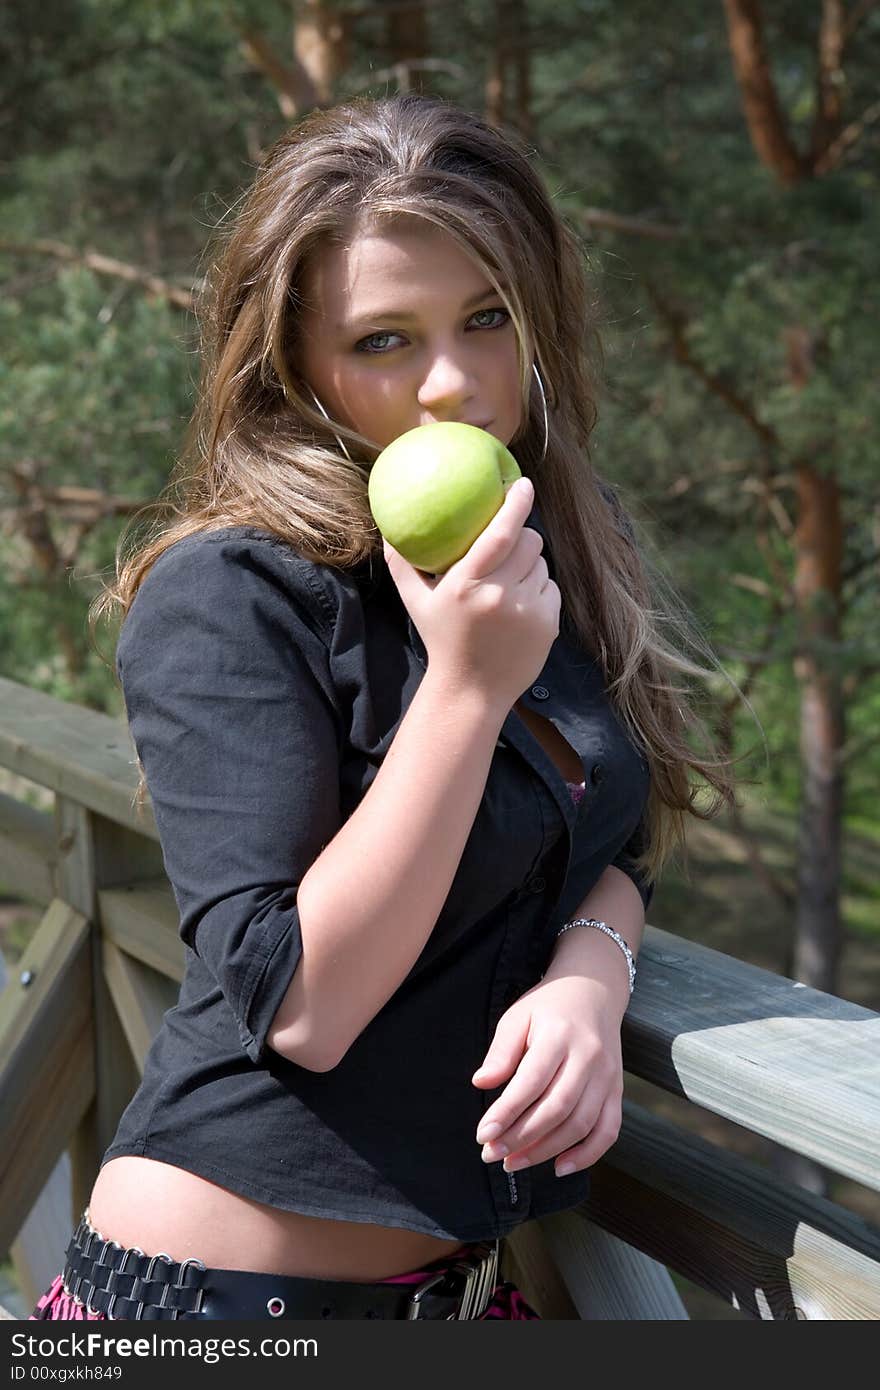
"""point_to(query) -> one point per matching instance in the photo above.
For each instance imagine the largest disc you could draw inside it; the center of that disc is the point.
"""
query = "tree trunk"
(407, 38)
(829, 79)
(500, 58)
(767, 126)
(508, 75)
(819, 544)
(522, 73)
(818, 538)
(320, 45)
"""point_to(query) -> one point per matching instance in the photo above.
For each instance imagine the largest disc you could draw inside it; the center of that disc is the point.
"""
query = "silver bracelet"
(609, 931)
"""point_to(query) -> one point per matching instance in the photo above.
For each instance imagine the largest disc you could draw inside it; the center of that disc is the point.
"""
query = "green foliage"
(90, 385)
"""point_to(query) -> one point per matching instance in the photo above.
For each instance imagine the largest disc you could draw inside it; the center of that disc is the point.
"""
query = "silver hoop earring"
(544, 403)
(339, 441)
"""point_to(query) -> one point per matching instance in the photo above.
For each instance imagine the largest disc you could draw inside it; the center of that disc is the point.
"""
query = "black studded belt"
(127, 1284)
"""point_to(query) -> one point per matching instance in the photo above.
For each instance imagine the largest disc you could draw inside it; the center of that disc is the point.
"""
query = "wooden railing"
(79, 1010)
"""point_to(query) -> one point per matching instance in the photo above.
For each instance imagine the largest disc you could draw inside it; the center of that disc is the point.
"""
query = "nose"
(447, 385)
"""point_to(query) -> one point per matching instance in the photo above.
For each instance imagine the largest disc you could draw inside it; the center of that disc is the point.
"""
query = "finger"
(405, 575)
(496, 541)
(548, 1114)
(537, 577)
(602, 1137)
(516, 569)
(505, 1051)
(581, 1140)
(573, 1130)
(533, 1075)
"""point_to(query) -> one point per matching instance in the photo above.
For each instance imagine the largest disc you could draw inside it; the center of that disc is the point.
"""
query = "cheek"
(316, 367)
(506, 356)
(509, 378)
(365, 400)
(358, 389)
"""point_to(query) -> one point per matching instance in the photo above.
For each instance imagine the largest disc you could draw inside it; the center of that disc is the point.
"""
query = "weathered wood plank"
(47, 1076)
(27, 850)
(788, 1062)
(526, 1262)
(141, 996)
(774, 1250)
(79, 877)
(45, 1231)
(38, 1250)
(81, 753)
(574, 1269)
(143, 922)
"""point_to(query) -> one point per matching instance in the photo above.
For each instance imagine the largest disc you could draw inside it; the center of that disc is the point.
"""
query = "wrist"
(589, 948)
(597, 925)
(458, 693)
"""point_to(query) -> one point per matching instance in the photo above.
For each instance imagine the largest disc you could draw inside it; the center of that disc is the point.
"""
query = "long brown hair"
(258, 452)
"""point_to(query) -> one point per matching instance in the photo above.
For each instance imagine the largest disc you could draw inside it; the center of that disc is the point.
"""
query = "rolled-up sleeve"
(224, 669)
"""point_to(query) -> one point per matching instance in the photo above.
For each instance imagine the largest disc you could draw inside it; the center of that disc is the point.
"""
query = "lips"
(476, 424)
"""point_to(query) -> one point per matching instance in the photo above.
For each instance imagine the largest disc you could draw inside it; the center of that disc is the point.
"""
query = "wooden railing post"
(96, 853)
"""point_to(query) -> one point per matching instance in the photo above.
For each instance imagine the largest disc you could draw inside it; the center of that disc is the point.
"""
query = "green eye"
(364, 344)
(503, 312)
(361, 346)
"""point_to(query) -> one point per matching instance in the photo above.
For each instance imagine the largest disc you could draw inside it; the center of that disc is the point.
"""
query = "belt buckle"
(479, 1271)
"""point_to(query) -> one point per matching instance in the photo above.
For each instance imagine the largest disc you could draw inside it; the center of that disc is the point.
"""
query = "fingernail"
(486, 1133)
(492, 1152)
(564, 1169)
(513, 1165)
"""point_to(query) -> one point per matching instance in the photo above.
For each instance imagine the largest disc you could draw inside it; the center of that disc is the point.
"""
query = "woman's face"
(401, 329)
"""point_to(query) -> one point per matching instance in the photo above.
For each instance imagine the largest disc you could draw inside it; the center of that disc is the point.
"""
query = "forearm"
(370, 901)
(591, 954)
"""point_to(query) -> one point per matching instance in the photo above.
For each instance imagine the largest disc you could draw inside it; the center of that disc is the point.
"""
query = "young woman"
(411, 821)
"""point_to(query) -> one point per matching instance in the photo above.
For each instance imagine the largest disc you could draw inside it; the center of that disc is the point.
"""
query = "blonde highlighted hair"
(258, 452)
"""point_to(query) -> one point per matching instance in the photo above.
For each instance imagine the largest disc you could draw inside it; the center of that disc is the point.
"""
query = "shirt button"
(537, 884)
(540, 692)
(597, 775)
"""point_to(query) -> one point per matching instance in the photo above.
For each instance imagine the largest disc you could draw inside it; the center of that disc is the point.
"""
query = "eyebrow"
(401, 315)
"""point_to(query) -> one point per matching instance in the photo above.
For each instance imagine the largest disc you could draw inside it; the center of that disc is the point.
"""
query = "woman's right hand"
(492, 618)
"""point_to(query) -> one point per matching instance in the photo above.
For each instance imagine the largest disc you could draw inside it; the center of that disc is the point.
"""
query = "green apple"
(435, 488)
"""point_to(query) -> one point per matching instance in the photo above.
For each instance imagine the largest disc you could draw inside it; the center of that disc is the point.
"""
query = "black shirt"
(263, 691)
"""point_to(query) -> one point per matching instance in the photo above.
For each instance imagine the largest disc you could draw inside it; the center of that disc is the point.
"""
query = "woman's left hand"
(560, 1046)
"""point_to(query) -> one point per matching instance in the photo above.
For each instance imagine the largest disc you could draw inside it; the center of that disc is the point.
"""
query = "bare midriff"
(159, 1207)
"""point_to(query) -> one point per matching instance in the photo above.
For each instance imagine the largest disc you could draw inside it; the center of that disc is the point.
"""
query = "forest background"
(718, 159)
